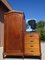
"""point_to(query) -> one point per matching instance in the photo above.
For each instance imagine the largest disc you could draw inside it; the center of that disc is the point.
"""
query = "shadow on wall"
(1, 16)
(1, 27)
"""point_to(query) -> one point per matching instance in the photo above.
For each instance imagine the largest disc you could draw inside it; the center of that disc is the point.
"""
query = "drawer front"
(33, 52)
(28, 40)
(32, 49)
(32, 35)
(28, 45)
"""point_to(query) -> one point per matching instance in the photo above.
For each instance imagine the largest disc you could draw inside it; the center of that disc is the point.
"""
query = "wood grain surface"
(32, 44)
(14, 33)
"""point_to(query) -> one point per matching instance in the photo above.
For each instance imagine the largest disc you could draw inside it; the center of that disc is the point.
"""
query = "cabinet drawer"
(28, 45)
(32, 41)
(36, 35)
(32, 49)
(34, 52)
(30, 38)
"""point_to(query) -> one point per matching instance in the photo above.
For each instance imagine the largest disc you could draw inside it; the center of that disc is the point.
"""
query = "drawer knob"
(32, 51)
(30, 35)
(31, 46)
(31, 41)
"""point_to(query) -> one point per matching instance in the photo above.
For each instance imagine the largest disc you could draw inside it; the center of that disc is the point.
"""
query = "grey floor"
(42, 49)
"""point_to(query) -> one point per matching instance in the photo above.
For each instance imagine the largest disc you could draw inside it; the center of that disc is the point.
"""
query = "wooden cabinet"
(18, 42)
(32, 44)
(14, 29)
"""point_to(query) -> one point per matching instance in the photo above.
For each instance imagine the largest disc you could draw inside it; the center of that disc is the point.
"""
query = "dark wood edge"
(33, 57)
(13, 57)
(29, 57)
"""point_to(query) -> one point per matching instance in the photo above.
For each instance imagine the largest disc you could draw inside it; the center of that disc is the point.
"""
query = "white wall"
(1, 27)
(1, 33)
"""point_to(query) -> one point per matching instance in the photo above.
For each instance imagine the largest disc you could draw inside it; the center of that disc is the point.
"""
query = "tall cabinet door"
(13, 34)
